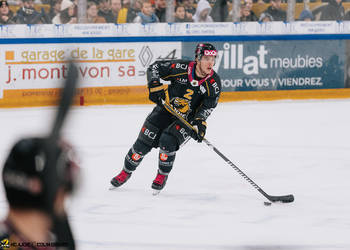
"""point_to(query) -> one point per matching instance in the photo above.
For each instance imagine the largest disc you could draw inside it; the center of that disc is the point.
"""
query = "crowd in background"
(152, 11)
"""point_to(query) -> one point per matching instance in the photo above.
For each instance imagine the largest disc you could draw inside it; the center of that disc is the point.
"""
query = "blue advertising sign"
(278, 65)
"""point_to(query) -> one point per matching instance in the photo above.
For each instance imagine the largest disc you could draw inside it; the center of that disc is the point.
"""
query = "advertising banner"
(172, 29)
(114, 72)
(38, 66)
(278, 65)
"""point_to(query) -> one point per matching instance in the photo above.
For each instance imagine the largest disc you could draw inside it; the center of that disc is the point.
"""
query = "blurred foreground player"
(193, 91)
(38, 175)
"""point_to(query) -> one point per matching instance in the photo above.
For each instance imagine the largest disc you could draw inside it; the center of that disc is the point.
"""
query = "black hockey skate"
(121, 178)
(159, 182)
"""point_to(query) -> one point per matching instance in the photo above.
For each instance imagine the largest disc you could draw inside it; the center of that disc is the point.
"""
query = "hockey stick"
(61, 226)
(65, 101)
(282, 198)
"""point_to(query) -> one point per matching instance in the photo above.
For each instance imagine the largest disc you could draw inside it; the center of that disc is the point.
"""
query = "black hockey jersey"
(194, 98)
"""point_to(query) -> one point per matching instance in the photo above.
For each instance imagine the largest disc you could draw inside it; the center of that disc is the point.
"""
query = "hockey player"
(38, 176)
(193, 91)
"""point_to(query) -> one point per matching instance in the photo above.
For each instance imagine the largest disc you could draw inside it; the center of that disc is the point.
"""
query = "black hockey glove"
(201, 127)
(156, 92)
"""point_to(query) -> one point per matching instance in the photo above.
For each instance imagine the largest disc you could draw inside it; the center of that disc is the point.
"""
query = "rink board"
(139, 95)
(112, 70)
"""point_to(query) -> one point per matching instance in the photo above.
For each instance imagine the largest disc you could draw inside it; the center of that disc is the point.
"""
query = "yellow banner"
(125, 95)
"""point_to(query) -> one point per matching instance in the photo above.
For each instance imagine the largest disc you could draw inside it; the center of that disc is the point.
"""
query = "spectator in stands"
(91, 13)
(146, 14)
(202, 12)
(180, 14)
(68, 13)
(246, 14)
(134, 7)
(6, 15)
(249, 5)
(189, 8)
(265, 17)
(275, 10)
(306, 15)
(123, 12)
(219, 12)
(104, 10)
(28, 15)
(334, 10)
(19, 3)
(116, 6)
(55, 8)
(160, 6)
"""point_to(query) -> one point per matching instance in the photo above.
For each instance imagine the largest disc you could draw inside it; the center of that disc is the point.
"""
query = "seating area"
(257, 8)
(37, 7)
(260, 8)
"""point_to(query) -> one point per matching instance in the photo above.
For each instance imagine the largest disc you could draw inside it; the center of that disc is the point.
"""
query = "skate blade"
(112, 188)
(155, 192)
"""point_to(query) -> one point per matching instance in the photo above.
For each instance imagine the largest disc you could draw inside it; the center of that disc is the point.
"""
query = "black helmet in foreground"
(35, 170)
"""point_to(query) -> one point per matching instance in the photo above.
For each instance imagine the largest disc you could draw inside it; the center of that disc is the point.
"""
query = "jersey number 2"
(189, 94)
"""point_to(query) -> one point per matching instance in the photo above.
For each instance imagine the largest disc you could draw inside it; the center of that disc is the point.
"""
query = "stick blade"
(283, 198)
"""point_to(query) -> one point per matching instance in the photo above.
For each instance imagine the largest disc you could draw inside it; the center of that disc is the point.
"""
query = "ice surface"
(298, 147)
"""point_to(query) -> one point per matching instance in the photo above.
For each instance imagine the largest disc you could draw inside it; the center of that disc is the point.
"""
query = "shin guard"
(166, 161)
(135, 155)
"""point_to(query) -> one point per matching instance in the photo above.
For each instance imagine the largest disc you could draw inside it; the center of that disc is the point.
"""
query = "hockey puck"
(266, 203)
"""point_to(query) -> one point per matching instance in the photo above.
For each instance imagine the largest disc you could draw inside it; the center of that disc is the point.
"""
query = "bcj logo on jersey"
(181, 66)
(216, 88)
(185, 135)
(148, 133)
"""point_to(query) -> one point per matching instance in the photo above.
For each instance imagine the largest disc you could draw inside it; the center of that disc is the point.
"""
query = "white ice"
(286, 147)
